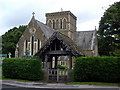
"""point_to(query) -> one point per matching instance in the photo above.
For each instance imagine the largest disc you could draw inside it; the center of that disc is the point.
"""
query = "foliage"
(10, 39)
(61, 67)
(97, 69)
(22, 68)
(0, 44)
(109, 31)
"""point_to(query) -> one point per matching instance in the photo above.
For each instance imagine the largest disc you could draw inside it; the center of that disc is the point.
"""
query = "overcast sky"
(19, 12)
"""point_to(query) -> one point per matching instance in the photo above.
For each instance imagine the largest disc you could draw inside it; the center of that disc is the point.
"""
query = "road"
(10, 87)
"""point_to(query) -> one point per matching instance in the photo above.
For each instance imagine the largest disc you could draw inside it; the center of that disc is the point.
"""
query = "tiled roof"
(74, 49)
(71, 43)
(48, 31)
(84, 39)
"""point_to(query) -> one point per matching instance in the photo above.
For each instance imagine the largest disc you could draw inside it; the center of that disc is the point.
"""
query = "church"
(58, 39)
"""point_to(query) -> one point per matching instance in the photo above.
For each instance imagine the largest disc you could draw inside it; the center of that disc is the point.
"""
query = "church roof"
(85, 39)
(66, 40)
(71, 43)
(48, 31)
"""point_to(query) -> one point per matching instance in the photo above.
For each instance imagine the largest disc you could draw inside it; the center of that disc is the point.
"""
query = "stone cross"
(16, 53)
(9, 54)
(61, 9)
(33, 13)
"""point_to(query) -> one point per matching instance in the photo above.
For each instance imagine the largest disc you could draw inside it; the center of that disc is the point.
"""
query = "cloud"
(18, 12)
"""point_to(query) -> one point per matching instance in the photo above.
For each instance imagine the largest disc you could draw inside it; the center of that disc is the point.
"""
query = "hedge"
(97, 69)
(27, 69)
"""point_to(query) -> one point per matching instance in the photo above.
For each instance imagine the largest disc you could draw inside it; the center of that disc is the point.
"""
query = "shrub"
(16, 68)
(61, 67)
(102, 69)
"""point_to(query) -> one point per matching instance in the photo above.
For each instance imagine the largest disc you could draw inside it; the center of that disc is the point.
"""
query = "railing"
(59, 75)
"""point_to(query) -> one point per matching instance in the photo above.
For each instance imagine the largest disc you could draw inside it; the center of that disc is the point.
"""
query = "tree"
(10, 39)
(109, 31)
(0, 44)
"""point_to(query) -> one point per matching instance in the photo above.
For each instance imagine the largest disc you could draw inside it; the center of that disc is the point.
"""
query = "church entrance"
(53, 52)
(54, 69)
(57, 75)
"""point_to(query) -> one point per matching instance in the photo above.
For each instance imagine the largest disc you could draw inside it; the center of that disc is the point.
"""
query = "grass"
(16, 80)
(74, 83)
(94, 83)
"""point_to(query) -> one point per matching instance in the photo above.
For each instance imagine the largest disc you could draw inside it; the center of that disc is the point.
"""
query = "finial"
(33, 13)
(95, 28)
(61, 9)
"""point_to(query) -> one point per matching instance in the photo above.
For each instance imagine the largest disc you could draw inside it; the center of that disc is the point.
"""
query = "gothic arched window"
(39, 44)
(53, 24)
(32, 45)
(57, 24)
(64, 23)
(50, 23)
(25, 46)
(60, 23)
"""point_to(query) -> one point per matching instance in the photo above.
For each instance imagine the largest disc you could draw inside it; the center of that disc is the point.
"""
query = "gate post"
(46, 61)
(45, 71)
(70, 75)
(57, 75)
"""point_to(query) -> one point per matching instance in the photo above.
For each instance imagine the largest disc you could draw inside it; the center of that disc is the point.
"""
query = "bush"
(28, 69)
(61, 67)
(102, 69)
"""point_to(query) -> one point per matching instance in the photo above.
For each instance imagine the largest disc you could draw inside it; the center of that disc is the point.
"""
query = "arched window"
(60, 23)
(49, 23)
(25, 46)
(35, 48)
(39, 44)
(53, 24)
(57, 24)
(29, 47)
(32, 45)
(64, 23)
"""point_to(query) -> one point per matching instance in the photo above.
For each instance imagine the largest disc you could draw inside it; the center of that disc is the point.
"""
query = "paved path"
(56, 86)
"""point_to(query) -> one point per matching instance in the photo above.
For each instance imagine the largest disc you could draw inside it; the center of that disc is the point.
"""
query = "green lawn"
(75, 83)
(16, 80)
(95, 83)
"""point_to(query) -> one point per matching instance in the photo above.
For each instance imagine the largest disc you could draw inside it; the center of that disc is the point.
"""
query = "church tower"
(64, 22)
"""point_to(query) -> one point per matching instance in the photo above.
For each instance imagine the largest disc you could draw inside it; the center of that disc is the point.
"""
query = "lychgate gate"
(57, 75)
(58, 45)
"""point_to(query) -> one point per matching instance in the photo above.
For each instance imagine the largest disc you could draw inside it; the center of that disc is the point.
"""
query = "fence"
(58, 75)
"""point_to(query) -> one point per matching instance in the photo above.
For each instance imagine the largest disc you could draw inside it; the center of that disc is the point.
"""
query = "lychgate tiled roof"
(71, 43)
(74, 48)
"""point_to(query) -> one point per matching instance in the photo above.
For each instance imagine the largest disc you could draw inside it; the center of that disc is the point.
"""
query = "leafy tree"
(109, 31)
(10, 39)
(0, 44)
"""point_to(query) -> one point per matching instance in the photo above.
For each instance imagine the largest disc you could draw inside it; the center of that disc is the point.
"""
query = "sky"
(14, 13)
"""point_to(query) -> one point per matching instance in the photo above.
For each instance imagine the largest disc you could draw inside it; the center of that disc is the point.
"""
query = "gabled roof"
(48, 31)
(85, 39)
(66, 40)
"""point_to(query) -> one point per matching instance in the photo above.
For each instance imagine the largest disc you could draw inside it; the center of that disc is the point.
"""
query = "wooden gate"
(57, 75)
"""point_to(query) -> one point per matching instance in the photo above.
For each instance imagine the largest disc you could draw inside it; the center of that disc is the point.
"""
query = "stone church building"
(57, 35)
